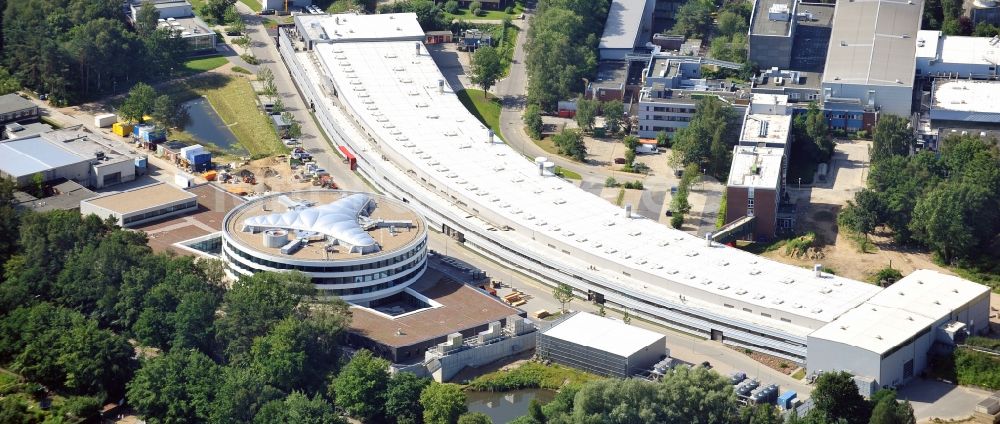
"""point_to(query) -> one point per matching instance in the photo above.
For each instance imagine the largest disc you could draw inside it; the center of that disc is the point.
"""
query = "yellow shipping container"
(122, 129)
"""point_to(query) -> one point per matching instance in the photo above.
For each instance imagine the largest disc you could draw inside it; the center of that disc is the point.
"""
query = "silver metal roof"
(873, 42)
(337, 219)
(27, 156)
(624, 23)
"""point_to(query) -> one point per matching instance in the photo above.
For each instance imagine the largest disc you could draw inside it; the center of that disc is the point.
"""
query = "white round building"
(356, 246)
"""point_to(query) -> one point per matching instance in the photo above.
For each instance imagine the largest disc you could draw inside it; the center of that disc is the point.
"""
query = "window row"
(418, 249)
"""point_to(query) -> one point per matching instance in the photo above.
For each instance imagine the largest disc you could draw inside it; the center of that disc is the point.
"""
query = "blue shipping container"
(786, 400)
(201, 158)
(140, 162)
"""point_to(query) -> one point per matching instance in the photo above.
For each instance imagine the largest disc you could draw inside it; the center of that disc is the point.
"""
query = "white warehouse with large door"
(601, 345)
(889, 338)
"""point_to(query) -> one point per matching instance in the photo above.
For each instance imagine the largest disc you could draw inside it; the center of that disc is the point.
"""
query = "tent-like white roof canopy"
(338, 219)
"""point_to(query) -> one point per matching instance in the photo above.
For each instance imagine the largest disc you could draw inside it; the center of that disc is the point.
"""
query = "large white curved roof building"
(357, 246)
(416, 141)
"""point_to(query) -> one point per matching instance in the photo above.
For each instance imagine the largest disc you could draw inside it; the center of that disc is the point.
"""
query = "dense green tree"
(215, 10)
(474, 418)
(429, 14)
(253, 305)
(707, 139)
(178, 387)
(887, 276)
(139, 103)
(298, 353)
(8, 82)
(563, 294)
(570, 143)
(533, 121)
(14, 411)
(443, 403)
(818, 131)
(892, 137)
(614, 114)
(361, 386)
(760, 414)
(486, 68)
(731, 48)
(241, 393)
(147, 18)
(836, 397)
(9, 220)
(731, 23)
(888, 410)
(535, 411)
(561, 47)
(863, 214)
(698, 391)
(694, 18)
(299, 409)
(586, 113)
(96, 48)
(402, 399)
(167, 112)
(955, 218)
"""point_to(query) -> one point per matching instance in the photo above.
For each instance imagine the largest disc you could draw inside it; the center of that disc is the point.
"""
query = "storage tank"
(275, 238)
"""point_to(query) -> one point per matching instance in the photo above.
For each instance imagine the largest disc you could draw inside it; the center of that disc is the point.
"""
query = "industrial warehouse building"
(422, 146)
(601, 346)
(73, 154)
(772, 32)
(886, 340)
(141, 205)
(15, 108)
(629, 25)
(357, 246)
(952, 56)
(870, 63)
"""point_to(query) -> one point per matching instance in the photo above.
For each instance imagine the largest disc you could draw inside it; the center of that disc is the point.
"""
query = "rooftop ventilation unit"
(825, 290)
(741, 292)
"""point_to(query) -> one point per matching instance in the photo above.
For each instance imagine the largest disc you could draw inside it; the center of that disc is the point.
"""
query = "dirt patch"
(270, 174)
(772, 362)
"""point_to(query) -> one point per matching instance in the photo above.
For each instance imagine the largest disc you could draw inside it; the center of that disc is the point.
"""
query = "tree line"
(708, 140)
(89, 312)
(73, 50)
(562, 48)
(947, 201)
(701, 396)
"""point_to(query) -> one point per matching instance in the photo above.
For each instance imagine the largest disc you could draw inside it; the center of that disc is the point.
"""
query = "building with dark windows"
(357, 246)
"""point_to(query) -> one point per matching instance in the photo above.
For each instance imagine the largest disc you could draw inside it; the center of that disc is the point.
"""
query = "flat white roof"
(895, 314)
(30, 155)
(766, 128)
(395, 95)
(624, 23)
(967, 96)
(872, 43)
(957, 49)
(758, 167)
(349, 27)
(604, 334)
(873, 328)
(141, 198)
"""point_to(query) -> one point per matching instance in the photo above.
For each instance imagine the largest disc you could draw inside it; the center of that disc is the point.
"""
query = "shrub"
(477, 11)
(240, 70)
(633, 185)
(476, 8)
(677, 220)
(887, 276)
(451, 6)
(611, 182)
(798, 246)
(251, 59)
(509, 10)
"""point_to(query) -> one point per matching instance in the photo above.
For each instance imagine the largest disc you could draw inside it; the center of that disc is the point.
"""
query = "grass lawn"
(234, 101)
(486, 109)
(547, 145)
(253, 5)
(565, 173)
(531, 375)
(487, 14)
(203, 64)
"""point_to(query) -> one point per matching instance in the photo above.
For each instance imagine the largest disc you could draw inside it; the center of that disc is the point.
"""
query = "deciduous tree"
(533, 121)
(361, 386)
(563, 294)
(402, 399)
(614, 113)
(178, 387)
(443, 403)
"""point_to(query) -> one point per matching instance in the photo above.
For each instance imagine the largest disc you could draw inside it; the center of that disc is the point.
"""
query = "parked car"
(620, 161)
(707, 365)
(290, 141)
(678, 172)
(267, 12)
(673, 190)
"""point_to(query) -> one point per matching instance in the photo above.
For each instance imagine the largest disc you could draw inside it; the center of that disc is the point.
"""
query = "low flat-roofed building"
(966, 101)
(772, 32)
(601, 346)
(141, 205)
(871, 60)
(800, 87)
(767, 122)
(15, 108)
(672, 87)
(628, 26)
(63, 196)
(178, 15)
(448, 307)
(26, 129)
(280, 5)
(888, 338)
(953, 56)
(318, 29)
(73, 153)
